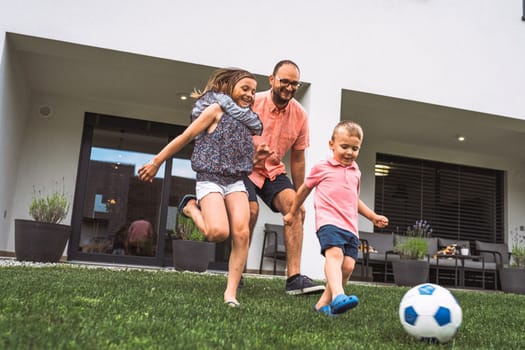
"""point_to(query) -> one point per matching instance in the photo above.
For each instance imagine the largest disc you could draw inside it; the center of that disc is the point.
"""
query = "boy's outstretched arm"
(378, 220)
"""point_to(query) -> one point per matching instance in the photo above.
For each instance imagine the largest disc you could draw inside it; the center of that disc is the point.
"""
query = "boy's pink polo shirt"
(282, 130)
(336, 195)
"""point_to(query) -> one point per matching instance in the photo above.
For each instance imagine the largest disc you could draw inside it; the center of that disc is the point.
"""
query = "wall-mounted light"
(45, 111)
(381, 170)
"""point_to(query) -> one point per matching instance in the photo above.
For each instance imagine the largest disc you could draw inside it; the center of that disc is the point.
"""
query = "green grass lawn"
(68, 307)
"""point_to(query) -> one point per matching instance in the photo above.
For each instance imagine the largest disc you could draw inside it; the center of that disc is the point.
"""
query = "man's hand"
(261, 153)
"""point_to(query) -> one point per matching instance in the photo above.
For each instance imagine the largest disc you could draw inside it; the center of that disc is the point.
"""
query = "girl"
(222, 156)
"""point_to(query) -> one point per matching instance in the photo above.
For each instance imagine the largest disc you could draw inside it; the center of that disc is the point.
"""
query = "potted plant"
(44, 238)
(512, 277)
(411, 269)
(190, 251)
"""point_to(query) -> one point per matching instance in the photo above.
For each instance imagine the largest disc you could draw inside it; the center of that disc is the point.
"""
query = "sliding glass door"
(117, 217)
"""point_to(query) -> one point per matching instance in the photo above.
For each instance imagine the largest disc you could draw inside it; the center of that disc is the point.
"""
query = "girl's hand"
(148, 171)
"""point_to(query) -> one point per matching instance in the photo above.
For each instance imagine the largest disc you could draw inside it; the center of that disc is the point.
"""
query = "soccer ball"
(430, 312)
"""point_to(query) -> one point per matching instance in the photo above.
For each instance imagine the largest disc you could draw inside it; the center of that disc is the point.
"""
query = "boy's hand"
(380, 221)
(288, 219)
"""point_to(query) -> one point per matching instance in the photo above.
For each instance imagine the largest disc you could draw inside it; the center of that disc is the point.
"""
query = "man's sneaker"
(301, 284)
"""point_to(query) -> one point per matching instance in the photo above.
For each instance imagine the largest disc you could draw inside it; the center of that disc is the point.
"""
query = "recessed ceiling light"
(182, 96)
(461, 138)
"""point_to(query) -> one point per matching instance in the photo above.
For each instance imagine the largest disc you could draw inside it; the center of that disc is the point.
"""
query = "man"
(140, 238)
(285, 128)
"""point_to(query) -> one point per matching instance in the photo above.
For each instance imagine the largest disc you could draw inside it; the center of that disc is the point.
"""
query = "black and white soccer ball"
(430, 312)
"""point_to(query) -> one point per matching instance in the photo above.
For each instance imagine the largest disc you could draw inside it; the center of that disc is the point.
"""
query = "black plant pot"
(410, 273)
(40, 241)
(512, 280)
(192, 255)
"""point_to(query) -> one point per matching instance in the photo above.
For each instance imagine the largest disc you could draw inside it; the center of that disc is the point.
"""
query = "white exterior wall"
(14, 108)
(466, 54)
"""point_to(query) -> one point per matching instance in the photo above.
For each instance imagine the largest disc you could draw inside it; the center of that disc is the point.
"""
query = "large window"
(460, 202)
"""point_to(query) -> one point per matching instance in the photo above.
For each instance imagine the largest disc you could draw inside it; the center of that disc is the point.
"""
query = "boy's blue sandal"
(183, 202)
(343, 303)
(327, 310)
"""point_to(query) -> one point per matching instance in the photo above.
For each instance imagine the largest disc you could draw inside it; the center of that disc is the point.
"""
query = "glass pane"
(121, 213)
(182, 182)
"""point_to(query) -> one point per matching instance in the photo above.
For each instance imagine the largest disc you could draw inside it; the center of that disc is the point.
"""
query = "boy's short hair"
(351, 127)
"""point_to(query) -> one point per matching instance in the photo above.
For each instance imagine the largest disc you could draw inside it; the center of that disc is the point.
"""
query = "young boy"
(337, 206)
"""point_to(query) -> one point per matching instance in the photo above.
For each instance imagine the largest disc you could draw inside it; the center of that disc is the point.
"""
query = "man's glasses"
(285, 83)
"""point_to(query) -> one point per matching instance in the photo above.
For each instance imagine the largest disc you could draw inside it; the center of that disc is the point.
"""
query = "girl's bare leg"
(211, 218)
(239, 215)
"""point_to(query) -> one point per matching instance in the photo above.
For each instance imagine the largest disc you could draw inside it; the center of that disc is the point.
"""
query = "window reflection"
(114, 199)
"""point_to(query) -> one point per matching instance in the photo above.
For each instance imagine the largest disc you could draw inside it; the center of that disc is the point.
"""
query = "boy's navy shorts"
(333, 236)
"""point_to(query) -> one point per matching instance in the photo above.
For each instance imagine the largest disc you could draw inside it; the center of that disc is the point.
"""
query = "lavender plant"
(415, 245)
(51, 208)
(420, 229)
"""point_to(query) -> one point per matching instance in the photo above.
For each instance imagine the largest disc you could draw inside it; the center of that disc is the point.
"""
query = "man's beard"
(278, 100)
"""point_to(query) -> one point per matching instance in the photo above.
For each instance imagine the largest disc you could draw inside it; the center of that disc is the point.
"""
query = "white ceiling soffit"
(68, 69)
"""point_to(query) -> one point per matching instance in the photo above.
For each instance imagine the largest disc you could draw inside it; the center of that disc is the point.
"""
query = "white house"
(415, 74)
